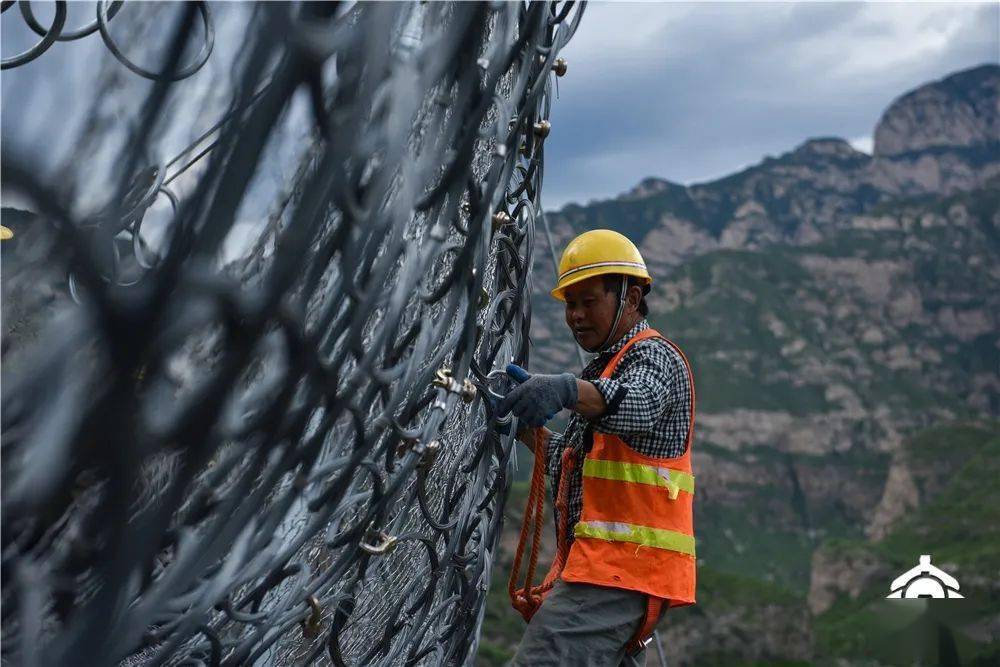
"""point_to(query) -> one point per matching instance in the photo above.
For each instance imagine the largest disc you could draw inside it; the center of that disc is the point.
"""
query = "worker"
(620, 472)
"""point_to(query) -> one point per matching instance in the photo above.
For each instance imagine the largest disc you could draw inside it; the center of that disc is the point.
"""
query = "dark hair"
(613, 283)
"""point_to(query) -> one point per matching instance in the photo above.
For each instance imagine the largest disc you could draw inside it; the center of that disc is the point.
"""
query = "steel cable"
(291, 457)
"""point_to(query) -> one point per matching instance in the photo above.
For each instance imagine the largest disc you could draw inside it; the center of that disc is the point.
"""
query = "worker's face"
(590, 311)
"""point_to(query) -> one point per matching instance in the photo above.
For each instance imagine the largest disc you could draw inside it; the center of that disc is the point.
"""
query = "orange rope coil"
(527, 599)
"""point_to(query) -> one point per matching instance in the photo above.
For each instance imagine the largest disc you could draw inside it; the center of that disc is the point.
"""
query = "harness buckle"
(637, 647)
(644, 635)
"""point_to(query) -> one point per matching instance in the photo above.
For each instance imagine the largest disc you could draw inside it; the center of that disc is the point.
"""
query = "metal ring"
(115, 278)
(51, 35)
(138, 245)
(155, 174)
(103, 17)
(90, 28)
(73, 293)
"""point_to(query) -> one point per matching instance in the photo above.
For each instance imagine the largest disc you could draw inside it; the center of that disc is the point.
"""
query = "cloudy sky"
(683, 91)
(693, 91)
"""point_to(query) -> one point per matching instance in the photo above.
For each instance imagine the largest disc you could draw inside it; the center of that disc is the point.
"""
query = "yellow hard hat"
(596, 253)
(5, 233)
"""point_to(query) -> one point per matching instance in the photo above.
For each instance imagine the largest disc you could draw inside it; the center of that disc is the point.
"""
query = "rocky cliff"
(961, 112)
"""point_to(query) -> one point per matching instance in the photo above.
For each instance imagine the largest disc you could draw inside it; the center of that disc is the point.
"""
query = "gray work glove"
(539, 397)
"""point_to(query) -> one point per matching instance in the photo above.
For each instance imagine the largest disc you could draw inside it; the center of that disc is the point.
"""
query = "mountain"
(841, 314)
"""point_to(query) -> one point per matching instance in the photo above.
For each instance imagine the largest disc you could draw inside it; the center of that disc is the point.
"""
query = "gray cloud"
(685, 91)
(691, 92)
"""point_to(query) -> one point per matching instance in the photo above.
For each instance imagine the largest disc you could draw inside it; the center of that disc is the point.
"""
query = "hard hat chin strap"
(618, 316)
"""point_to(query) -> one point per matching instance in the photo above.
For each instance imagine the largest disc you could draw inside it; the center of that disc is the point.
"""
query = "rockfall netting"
(264, 280)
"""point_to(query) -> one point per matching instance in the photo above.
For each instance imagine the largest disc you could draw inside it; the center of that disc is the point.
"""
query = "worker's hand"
(539, 397)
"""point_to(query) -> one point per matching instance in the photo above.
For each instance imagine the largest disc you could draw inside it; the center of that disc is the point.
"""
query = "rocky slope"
(833, 304)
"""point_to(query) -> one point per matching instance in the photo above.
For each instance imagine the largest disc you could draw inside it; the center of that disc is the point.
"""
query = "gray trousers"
(585, 625)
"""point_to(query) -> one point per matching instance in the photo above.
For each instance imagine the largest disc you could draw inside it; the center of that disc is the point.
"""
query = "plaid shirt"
(649, 408)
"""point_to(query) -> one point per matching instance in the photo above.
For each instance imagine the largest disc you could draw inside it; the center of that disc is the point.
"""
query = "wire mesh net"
(277, 266)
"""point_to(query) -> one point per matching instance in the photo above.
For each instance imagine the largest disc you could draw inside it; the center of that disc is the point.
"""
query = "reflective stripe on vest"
(657, 538)
(672, 480)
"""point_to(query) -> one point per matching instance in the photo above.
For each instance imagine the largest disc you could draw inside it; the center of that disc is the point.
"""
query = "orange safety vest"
(636, 530)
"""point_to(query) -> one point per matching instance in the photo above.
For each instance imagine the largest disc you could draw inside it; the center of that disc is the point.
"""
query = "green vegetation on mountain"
(635, 217)
(723, 328)
(960, 527)
(750, 320)
(961, 524)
